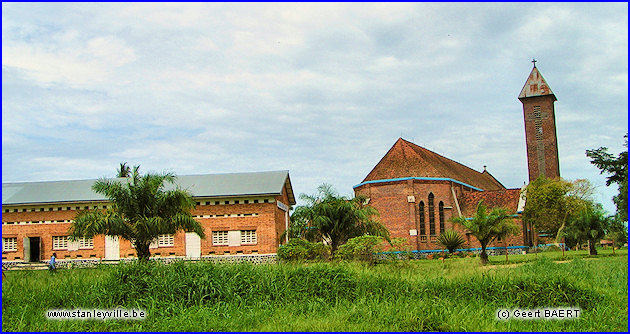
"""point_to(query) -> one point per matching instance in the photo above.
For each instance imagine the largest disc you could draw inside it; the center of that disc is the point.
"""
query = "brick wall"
(264, 217)
(400, 216)
(549, 143)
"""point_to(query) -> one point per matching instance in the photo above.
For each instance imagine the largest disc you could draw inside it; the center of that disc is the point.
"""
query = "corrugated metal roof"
(206, 185)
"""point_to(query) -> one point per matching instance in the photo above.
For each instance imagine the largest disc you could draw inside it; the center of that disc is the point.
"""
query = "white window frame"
(86, 243)
(9, 244)
(220, 238)
(249, 237)
(60, 242)
(166, 240)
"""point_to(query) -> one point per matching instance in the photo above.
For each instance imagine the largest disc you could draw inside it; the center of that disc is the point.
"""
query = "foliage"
(617, 168)
(589, 226)
(142, 210)
(334, 297)
(361, 248)
(487, 226)
(301, 250)
(617, 231)
(124, 170)
(337, 219)
(551, 203)
(298, 225)
(450, 240)
(400, 245)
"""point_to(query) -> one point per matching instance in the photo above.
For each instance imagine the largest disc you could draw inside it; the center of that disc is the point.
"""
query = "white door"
(112, 250)
(193, 245)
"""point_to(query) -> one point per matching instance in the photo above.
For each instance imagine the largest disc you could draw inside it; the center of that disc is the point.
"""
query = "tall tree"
(123, 170)
(617, 168)
(488, 226)
(142, 209)
(551, 203)
(336, 219)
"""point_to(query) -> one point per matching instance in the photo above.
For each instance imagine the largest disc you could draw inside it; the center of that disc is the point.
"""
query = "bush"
(361, 248)
(551, 248)
(302, 250)
(400, 245)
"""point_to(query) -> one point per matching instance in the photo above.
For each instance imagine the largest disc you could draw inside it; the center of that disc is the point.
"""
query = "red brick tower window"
(423, 230)
(441, 213)
(431, 215)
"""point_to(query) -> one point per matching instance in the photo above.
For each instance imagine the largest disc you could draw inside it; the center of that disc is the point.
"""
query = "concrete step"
(30, 266)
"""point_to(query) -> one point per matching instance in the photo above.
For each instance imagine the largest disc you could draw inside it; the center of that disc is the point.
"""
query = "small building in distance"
(242, 213)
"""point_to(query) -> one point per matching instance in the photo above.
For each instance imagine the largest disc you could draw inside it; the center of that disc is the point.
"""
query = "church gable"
(406, 159)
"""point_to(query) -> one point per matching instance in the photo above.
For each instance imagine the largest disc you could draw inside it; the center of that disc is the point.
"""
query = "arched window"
(423, 230)
(431, 215)
(441, 213)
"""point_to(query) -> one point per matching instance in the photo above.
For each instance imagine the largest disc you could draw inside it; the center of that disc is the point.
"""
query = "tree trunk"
(483, 255)
(333, 249)
(506, 252)
(591, 248)
(142, 249)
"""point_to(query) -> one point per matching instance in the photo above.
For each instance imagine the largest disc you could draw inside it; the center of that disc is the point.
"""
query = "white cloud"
(321, 89)
(68, 58)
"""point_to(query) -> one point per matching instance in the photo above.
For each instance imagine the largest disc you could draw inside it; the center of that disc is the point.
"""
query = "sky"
(320, 89)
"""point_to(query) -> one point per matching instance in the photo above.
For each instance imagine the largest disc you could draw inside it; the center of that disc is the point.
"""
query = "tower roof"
(406, 159)
(535, 86)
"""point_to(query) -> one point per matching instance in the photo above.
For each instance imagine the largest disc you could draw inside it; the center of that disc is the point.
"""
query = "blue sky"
(320, 89)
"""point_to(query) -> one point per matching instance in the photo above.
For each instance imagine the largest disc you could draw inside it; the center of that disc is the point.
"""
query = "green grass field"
(420, 295)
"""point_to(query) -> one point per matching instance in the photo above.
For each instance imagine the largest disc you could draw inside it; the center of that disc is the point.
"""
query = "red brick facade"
(540, 127)
(404, 205)
(262, 214)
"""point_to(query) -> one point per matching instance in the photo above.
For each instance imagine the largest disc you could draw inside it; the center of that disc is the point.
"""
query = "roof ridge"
(449, 159)
(493, 178)
(406, 159)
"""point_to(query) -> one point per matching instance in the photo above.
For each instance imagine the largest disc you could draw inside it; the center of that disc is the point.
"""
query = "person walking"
(52, 265)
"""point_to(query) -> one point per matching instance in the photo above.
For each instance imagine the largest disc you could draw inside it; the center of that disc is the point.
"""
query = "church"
(417, 191)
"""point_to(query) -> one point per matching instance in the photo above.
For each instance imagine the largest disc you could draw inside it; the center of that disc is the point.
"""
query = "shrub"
(301, 250)
(551, 248)
(402, 246)
(361, 248)
(451, 240)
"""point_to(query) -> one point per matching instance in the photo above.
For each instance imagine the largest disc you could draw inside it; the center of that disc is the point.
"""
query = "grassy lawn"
(420, 295)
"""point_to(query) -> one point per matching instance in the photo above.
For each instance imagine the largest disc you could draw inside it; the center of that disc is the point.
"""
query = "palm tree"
(142, 210)
(487, 226)
(589, 226)
(336, 219)
(124, 170)
(451, 240)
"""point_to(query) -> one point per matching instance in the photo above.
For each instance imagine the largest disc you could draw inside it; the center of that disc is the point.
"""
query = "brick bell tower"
(540, 127)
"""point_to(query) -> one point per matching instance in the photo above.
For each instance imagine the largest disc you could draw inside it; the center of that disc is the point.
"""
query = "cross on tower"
(534, 61)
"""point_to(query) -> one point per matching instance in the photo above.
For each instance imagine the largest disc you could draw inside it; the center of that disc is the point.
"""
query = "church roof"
(406, 159)
(505, 198)
(206, 185)
(535, 85)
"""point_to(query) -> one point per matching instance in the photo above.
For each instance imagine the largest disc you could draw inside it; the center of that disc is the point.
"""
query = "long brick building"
(417, 191)
(242, 213)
